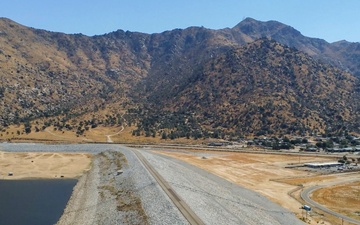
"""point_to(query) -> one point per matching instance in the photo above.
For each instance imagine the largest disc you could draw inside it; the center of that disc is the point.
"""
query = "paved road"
(305, 196)
(182, 206)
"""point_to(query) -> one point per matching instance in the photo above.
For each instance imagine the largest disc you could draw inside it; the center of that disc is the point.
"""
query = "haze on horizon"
(330, 20)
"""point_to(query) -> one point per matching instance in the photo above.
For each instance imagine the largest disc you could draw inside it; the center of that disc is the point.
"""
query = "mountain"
(255, 78)
(48, 73)
(343, 54)
(260, 88)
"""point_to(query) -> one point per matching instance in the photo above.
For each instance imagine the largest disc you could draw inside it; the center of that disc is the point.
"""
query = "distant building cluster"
(341, 144)
(348, 149)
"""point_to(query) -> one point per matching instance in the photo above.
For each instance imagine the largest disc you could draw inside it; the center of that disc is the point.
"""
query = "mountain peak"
(249, 20)
(250, 25)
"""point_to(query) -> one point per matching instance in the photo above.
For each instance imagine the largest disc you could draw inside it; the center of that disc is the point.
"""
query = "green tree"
(164, 135)
(27, 127)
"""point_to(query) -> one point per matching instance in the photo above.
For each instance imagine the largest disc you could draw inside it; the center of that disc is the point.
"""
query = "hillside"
(47, 73)
(260, 88)
(343, 54)
(185, 82)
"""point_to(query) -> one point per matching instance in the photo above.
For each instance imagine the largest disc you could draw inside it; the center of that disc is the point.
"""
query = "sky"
(332, 20)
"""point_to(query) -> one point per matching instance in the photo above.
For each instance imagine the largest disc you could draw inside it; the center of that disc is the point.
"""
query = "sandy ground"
(263, 173)
(43, 165)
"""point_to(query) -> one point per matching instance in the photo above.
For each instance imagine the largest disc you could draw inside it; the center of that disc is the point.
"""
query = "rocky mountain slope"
(46, 73)
(260, 88)
(343, 54)
(191, 82)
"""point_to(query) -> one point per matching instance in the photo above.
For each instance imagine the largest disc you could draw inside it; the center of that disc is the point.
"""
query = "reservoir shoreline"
(35, 186)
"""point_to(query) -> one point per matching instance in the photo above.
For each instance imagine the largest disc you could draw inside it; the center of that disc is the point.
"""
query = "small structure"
(323, 164)
(218, 144)
(307, 209)
(10, 174)
(311, 149)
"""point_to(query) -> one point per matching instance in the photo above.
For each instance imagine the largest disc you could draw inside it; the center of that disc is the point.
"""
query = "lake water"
(33, 202)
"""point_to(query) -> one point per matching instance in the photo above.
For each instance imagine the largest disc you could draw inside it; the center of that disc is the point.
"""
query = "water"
(33, 202)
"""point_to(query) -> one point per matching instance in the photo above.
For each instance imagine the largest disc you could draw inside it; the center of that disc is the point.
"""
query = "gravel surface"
(157, 205)
(134, 197)
(130, 198)
(102, 197)
(215, 200)
(83, 202)
(35, 147)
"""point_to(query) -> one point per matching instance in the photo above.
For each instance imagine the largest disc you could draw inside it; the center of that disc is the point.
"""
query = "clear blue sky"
(332, 20)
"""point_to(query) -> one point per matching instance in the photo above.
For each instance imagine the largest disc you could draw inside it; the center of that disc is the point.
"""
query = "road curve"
(305, 196)
(191, 217)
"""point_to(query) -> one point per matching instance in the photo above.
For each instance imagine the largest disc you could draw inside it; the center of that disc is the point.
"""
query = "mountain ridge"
(332, 53)
(47, 74)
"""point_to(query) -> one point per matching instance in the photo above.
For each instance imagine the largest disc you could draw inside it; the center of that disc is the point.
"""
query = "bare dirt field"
(265, 174)
(43, 165)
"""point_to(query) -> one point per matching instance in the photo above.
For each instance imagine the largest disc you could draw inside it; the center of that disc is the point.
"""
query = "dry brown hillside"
(261, 88)
(192, 82)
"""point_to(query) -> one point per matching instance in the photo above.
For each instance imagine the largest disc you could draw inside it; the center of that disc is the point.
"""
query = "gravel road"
(100, 196)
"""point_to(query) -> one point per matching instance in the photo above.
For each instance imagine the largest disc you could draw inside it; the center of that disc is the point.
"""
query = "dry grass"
(16, 133)
(307, 180)
(99, 134)
(344, 198)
